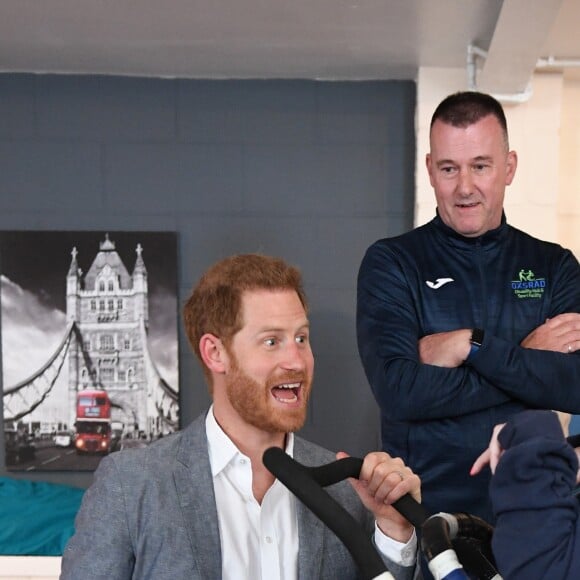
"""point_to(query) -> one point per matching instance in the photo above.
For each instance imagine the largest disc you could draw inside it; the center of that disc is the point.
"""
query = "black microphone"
(306, 484)
(300, 482)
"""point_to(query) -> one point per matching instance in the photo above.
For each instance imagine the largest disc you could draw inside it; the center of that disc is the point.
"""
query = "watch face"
(477, 336)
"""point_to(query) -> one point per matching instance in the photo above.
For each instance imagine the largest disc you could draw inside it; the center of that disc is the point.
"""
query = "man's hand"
(564, 419)
(491, 455)
(445, 349)
(559, 334)
(382, 481)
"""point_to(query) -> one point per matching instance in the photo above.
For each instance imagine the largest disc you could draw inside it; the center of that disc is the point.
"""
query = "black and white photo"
(89, 345)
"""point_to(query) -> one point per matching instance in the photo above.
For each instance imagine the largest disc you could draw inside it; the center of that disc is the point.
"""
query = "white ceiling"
(313, 39)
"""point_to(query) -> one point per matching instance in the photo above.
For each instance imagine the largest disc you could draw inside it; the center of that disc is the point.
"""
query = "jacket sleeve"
(403, 572)
(538, 520)
(388, 334)
(101, 548)
(540, 378)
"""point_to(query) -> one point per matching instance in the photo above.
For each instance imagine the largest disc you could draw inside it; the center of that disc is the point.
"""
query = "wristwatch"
(476, 341)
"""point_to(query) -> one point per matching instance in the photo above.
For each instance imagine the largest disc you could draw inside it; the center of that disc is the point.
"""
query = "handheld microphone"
(300, 482)
(438, 531)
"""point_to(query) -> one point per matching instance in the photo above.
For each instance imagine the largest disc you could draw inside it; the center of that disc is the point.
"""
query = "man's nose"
(465, 182)
(295, 356)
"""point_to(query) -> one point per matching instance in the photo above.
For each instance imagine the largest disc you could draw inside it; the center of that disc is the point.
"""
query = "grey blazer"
(151, 514)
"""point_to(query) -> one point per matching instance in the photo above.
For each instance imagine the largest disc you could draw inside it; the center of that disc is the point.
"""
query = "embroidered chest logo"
(527, 285)
(438, 283)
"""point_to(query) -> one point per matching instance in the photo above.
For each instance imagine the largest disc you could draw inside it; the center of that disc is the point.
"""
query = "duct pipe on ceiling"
(553, 62)
(474, 52)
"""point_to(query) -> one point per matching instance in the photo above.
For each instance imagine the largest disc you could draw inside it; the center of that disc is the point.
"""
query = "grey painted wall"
(313, 172)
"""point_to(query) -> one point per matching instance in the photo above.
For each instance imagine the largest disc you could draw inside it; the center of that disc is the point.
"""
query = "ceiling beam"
(521, 30)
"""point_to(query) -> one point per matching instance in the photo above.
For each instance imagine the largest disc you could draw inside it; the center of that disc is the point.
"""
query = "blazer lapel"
(310, 543)
(192, 476)
(310, 528)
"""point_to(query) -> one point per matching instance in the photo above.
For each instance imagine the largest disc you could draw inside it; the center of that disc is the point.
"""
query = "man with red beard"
(200, 504)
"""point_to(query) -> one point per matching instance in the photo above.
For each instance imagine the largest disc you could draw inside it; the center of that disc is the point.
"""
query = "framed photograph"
(89, 345)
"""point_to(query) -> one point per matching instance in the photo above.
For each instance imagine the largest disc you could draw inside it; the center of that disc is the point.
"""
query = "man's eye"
(448, 170)
(270, 342)
(302, 339)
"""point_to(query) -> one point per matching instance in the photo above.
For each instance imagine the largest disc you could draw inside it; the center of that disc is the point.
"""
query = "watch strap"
(476, 341)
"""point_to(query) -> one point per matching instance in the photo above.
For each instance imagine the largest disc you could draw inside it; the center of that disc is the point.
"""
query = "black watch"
(476, 341)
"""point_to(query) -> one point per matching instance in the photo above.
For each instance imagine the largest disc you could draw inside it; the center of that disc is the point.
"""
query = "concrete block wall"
(569, 164)
(313, 172)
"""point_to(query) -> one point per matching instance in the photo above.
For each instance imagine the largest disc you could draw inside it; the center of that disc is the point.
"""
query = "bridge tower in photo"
(109, 309)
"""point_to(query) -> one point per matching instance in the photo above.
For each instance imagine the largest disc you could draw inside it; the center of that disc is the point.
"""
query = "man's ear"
(511, 166)
(429, 165)
(213, 353)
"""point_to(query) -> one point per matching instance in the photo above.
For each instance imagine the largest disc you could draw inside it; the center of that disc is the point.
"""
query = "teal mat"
(36, 518)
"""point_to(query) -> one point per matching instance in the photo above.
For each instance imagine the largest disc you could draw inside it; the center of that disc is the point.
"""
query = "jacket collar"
(488, 240)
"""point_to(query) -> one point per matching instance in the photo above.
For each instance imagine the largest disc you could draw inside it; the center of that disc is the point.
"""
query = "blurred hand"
(382, 481)
(491, 455)
(564, 419)
(577, 450)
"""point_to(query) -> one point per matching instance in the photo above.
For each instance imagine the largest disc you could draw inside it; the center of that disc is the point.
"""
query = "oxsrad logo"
(528, 285)
(438, 283)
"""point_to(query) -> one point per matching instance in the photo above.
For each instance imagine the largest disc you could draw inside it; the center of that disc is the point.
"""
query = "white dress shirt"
(260, 542)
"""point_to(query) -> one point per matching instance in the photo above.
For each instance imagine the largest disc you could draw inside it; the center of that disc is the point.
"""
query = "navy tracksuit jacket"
(433, 280)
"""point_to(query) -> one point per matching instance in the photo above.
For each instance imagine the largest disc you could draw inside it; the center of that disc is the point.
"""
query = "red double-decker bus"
(93, 422)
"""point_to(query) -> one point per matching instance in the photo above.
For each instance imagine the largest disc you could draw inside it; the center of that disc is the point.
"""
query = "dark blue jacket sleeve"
(388, 335)
(537, 532)
(406, 390)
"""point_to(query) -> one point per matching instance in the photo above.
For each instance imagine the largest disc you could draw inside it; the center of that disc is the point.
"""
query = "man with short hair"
(200, 504)
(466, 320)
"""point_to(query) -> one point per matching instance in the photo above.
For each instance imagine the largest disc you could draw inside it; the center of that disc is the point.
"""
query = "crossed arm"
(450, 349)
(417, 377)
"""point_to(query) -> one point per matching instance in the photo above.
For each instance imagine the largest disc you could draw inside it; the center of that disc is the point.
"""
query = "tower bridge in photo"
(105, 346)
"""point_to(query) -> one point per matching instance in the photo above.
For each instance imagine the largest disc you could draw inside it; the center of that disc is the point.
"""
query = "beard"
(253, 400)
